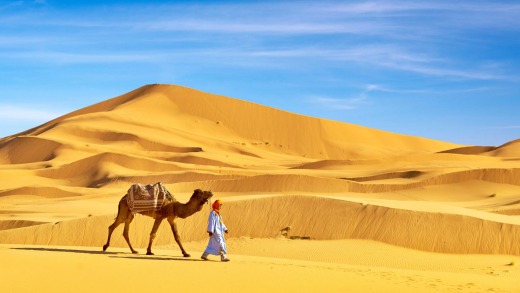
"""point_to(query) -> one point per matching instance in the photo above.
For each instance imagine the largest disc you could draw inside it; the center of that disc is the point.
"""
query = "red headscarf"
(216, 206)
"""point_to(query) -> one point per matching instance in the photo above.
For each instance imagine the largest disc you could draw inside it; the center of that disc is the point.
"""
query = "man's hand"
(210, 234)
(226, 231)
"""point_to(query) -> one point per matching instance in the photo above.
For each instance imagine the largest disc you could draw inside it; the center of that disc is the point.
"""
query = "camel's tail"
(119, 206)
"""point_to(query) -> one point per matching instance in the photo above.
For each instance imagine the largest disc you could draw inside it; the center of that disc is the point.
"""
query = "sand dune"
(43, 191)
(20, 150)
(309, 217)
(509, 150)
(14, 224)
(330, 182)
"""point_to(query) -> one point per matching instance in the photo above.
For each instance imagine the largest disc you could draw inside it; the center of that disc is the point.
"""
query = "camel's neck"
(184, 210)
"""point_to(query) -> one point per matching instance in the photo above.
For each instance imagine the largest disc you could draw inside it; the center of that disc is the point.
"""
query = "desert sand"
(312, 205)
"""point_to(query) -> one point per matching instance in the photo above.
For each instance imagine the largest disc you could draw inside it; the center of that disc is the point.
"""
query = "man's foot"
(204, 257)
(225, 259)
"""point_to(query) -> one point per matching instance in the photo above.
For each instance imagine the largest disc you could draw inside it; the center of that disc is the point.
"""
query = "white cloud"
(19, 113)
(391, 57)
(508, 127)
(339, 104)
(377, 22)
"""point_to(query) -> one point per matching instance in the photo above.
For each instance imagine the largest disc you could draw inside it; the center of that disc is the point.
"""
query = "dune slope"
(357, 182)
(307, 218)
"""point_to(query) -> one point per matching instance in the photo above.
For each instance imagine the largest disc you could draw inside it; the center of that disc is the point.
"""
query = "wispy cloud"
(81, 57)
(447, 71)
(278, 27)
(392, 57)
(385, 89)
(260, 30)
(346, 103)
(463, 13)
(337, 104)
(384, 57)
(507, 127)
(21, 113)
(428, 91)
(374, 18)
(9, 41)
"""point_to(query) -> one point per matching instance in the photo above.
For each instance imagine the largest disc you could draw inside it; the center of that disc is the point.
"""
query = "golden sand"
(363, 210)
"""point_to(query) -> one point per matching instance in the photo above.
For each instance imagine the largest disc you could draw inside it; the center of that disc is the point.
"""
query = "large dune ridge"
(325, 183)
(308, 217)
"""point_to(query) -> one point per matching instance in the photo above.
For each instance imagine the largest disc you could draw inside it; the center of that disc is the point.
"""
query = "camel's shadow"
(110, 254)
(67, 250)
(147, 257)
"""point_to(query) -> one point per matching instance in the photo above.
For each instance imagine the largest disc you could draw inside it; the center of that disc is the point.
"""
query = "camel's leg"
(125, 232)
(111, 228)
(156, 225)
(122, 214)
(176, 236)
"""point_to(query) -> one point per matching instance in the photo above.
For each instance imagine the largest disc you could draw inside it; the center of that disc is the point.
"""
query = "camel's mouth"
(205, 200)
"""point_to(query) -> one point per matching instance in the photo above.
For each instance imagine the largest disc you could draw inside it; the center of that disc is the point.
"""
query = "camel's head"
(202, 196)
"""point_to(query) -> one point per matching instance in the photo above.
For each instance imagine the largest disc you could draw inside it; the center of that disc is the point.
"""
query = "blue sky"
(446, 70)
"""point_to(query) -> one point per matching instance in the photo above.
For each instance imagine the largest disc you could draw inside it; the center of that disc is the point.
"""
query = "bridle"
(206, 201)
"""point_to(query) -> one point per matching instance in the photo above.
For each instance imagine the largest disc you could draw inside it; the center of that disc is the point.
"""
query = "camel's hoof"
(105, 247)
(135, 252)
(186, 255)
(149, 253)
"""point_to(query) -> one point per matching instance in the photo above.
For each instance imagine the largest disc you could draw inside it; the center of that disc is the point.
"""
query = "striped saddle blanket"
(147, 198)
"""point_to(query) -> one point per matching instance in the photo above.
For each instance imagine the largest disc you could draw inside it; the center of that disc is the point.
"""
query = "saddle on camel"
(147, 198)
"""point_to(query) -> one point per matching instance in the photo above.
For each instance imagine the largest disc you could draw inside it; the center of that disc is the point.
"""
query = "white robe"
(217, 242)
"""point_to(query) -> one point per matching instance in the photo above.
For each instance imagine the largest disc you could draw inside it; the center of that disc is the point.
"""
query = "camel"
(170, 210)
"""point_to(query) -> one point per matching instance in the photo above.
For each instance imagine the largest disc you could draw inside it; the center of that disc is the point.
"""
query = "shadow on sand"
(111, 254)
(155, 257)
(66, 250)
